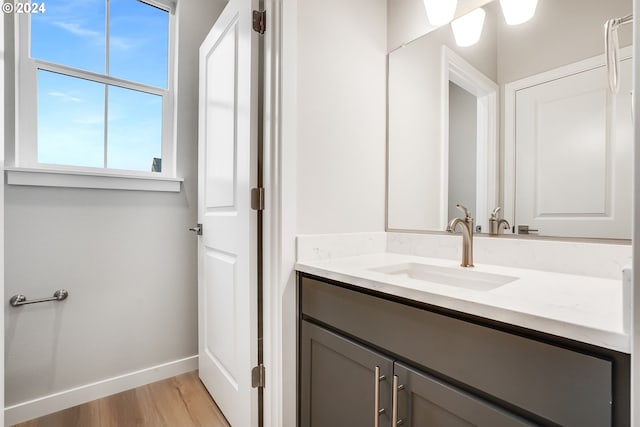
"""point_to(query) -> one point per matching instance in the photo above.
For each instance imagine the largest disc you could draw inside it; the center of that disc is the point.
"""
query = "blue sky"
(71, 111)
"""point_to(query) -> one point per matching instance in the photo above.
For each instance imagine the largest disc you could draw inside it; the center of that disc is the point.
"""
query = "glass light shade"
(440, 12)
(468, 28)
(518, 11)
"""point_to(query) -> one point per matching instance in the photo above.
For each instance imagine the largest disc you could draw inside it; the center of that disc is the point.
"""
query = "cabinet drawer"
(563, 386)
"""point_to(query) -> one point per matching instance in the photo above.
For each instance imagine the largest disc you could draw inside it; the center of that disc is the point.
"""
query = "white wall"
(341, 116)
(332, 144)
(126, 258)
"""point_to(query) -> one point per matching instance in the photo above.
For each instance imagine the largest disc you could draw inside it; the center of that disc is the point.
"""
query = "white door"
(227, 254)
(574, 156)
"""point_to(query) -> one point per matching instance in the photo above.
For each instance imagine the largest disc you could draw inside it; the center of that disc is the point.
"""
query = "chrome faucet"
(467, 235)
(495, 224)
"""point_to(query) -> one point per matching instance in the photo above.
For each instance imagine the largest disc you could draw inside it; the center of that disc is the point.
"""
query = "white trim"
(98, 78)
(86, 393)
(168, 5)
(463, 74)
(281, 215)
(63, 178)
(271, 239)
(510, 92)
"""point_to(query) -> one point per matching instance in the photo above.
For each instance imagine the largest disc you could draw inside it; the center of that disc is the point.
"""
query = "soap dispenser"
(495, 224)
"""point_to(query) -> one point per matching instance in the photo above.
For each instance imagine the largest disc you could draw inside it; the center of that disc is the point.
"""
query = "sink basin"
(459, 277)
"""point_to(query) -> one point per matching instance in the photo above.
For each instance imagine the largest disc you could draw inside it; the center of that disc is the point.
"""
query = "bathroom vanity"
(537, 331)
(390, 339)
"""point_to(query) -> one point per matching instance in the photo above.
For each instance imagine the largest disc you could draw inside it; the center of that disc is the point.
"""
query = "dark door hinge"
(257, 199)
(258, 376)
(259, 21)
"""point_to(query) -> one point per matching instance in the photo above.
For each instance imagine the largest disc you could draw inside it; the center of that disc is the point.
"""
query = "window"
(95, 88)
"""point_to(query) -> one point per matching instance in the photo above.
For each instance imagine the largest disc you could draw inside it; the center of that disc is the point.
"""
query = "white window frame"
(28, 171)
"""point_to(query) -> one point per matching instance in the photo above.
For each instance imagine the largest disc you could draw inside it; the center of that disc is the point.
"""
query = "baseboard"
(66, 399)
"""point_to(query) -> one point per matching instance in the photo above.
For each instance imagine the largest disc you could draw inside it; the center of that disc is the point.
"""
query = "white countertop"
(582, 308)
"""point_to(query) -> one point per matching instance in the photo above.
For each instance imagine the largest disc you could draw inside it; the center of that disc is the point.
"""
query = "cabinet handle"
(376, 406)
(394, 410)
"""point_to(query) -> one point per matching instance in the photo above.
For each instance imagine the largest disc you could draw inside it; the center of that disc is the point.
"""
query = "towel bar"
(18, 300)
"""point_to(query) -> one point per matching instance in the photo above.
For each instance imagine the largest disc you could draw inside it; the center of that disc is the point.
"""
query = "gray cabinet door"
(426, 401)
(338, 381)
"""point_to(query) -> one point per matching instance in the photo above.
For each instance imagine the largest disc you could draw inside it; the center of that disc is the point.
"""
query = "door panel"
(426, 401)
(220, 273)
(338, 381)
(573, 156)
(220, 123)
(227, 250)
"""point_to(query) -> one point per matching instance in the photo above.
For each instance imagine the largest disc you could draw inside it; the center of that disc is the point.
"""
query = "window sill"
(56, 178)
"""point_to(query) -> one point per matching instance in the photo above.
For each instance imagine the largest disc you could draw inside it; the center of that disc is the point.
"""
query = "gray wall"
(560, 33)
(463, 121)
(126, 258)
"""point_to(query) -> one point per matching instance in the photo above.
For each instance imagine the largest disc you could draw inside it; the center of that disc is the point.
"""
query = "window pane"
(138, 43)
(71, 33)
(135, 130)
(70, 120)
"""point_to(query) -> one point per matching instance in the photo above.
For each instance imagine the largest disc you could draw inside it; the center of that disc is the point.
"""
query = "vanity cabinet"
(451, 369)
(346, 384)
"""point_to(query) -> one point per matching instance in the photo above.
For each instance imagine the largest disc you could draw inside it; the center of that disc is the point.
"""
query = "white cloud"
(89, 120)
(124, 43)
(115, 42)
(66, 97)
(78, 30)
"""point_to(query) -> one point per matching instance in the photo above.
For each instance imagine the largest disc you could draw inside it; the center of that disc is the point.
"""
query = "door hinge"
(257, 199)
(259, 21)
(258, 376)
(524, 229)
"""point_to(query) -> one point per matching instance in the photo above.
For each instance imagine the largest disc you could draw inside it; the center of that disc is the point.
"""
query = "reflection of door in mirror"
(470, 141)
(573, 151)
(463, 113)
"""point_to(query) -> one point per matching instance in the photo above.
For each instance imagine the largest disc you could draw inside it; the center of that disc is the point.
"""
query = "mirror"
(523, 119)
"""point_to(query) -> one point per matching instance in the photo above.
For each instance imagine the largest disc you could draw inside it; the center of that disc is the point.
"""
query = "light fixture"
(467, 28)
(440, 12)
(518, 11)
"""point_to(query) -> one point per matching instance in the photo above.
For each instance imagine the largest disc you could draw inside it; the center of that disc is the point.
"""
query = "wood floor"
(180, 401)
